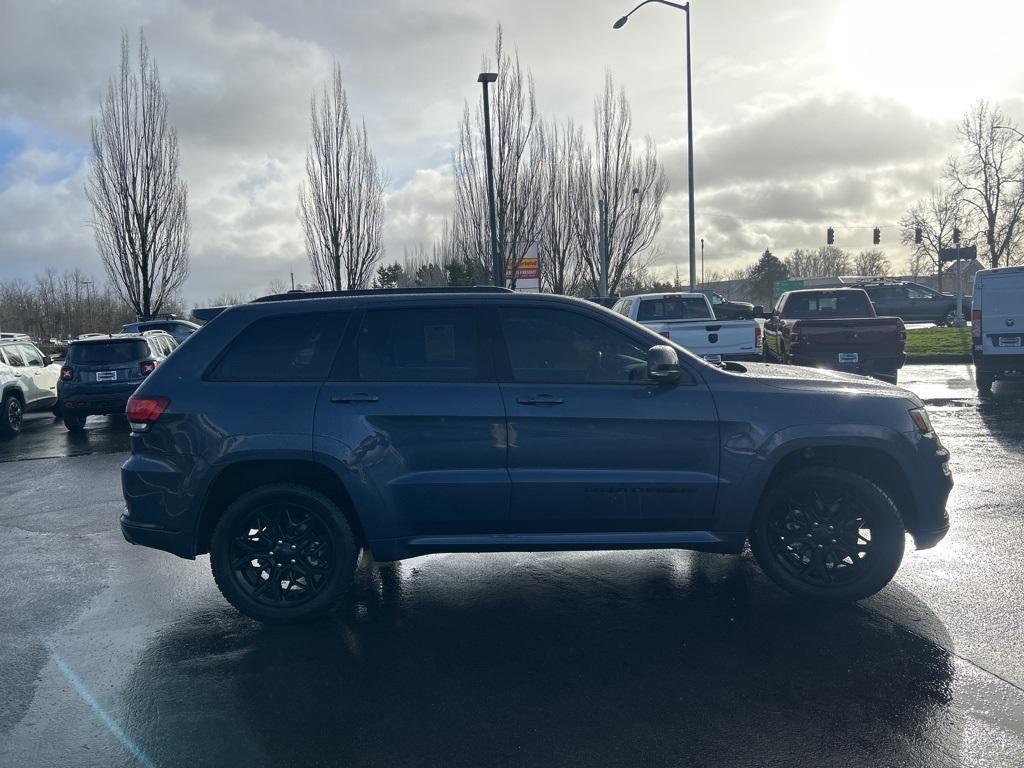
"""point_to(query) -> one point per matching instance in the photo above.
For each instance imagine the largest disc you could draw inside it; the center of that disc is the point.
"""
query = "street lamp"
(497, 268)
(689, 125)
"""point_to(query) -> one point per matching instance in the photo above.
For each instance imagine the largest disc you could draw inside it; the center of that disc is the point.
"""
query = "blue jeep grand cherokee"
(291, 433)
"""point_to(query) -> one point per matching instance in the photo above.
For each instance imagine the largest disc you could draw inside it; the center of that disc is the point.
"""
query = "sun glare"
(935, 55)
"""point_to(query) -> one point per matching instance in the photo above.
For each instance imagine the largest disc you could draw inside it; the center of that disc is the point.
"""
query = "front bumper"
(175, 542)
(931, 482)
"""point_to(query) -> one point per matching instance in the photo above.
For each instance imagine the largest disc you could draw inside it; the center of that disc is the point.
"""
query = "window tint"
(554, 345)
(31, 355)
(852, 304)
(418, 345)
(678, 308)
(14, 357)
(106, 352)
(919, 293)
(284, 348)
(886, 293)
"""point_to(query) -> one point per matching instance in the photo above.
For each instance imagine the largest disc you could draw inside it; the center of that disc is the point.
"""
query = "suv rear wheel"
(828, 534)
(74, 421)
(283, 553)
(12, 416)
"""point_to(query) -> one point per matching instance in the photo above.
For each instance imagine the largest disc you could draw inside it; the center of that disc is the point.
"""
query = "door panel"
(419, 422)
(592, 445)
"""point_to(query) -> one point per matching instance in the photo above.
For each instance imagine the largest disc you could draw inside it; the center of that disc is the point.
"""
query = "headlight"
(920, 418)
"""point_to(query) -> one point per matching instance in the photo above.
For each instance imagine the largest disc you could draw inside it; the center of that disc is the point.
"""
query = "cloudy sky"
(807, 114)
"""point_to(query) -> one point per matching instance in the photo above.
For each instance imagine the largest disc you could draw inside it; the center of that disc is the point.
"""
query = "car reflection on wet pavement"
(117, 655)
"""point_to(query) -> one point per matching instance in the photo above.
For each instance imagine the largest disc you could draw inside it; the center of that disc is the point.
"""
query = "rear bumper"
(98, 399)
(175, 542)
(999, 363)
(830, 360)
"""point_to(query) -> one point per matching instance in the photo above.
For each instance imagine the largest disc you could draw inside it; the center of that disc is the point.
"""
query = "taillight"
(665, 334)
(144, 410)
(903, 329)
(67, 373)
(976, 327)
(147, 367)
(757, 334)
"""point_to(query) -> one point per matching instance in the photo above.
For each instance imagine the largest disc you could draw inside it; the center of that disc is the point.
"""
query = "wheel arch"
(871, 462)
(13, 389)
(245, 475)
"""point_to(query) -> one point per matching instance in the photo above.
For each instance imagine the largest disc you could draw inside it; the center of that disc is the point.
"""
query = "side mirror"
(47, 360)
(758, 310)
(663, 364)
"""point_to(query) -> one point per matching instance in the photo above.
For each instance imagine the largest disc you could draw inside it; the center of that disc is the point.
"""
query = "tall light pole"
(689, 127)
(497, 268)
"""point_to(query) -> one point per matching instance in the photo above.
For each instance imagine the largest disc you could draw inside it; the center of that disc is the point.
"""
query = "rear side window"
(437, 344)
(96, 353)
(672, 309)
(284, 348)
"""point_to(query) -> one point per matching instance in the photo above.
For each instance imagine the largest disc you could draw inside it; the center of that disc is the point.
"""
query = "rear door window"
(435, 344)
(283, 348)
(14, 357)
(810, 306)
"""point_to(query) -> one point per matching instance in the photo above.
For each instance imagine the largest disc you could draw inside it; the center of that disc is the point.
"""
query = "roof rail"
(149, 318)
(299, 295)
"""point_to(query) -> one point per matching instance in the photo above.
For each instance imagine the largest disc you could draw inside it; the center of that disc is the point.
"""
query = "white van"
(997, 320)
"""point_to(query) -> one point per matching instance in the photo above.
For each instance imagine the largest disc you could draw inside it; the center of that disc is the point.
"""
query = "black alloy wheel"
(828, 533)
(283, 553)
(12, 417)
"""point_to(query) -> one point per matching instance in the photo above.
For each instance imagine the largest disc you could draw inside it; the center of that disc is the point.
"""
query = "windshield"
(677, 308)
(816, 305)
(108, 352)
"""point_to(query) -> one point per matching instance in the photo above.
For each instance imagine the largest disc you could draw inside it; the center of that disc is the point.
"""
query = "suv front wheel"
(283, 553)
(12, 416)
(828, 534)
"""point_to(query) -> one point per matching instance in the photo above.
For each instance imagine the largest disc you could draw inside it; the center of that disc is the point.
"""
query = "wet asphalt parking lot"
(113, 655)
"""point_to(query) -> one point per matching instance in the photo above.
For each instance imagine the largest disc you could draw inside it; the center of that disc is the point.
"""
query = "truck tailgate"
(711, 338)
(871, 337)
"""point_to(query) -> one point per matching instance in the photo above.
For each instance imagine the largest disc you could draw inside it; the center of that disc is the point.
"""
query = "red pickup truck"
(835, 328)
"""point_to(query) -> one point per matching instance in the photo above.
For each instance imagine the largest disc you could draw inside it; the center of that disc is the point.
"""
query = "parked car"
(835, 328)
(687, 319)
(912, 302)
(997, 325)
(100, 373)
(28, 382)
(288, 435)
(726, 309)
(11, 336)
(179, 329)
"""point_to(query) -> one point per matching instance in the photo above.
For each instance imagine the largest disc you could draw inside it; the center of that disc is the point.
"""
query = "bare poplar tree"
(935, 216)
(989, 179)
(631, 183)
(341, 204)
(139, 205)
(871, 263)
(516, 167)
(558, 245)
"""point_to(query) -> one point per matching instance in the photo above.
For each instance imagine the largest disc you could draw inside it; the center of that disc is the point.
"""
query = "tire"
(57, 411)
(298, 565)
(797, 549)
(984, 380)
(74, 421)
(12, 415)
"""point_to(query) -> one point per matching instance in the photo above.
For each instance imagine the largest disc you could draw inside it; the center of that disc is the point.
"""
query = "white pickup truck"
(687, 319)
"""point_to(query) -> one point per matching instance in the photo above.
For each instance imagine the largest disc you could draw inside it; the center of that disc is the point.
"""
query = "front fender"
(746, 468)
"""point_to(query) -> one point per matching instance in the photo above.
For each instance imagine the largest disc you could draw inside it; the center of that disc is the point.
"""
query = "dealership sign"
(527, 273)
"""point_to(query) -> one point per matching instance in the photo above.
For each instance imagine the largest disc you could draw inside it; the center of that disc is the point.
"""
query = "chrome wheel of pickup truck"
(283, 553)
(827, 533)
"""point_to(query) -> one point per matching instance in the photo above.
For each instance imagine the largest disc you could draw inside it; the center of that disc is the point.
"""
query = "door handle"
(540, 400)
(355, 397)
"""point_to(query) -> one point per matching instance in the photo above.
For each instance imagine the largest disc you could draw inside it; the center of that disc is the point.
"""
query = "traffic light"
(876, 236)
(917, 235)
(956, 235)
(830, 236)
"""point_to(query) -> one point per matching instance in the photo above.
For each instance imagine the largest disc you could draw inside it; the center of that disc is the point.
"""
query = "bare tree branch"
(140, 206)
(341, 203)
